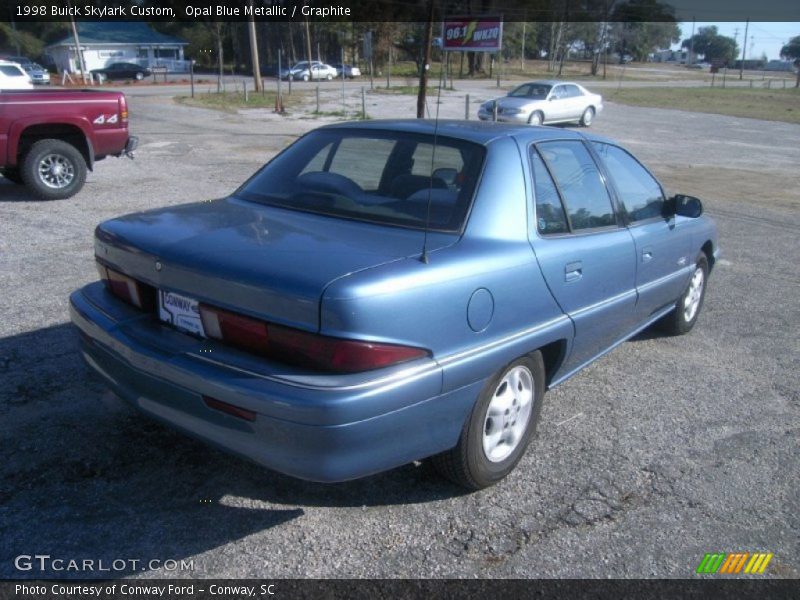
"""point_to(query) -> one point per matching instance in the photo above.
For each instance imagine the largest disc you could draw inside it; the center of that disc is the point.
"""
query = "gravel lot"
(664, 450)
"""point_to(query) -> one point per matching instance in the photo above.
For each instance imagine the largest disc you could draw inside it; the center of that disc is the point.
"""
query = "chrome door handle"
(573, 271)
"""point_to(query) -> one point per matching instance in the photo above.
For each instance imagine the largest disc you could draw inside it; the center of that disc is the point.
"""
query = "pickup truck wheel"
(12, 175)
(687, 309)
(54, 169)
(500, 427)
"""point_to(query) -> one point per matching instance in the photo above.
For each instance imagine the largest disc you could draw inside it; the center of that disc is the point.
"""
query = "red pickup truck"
(49, 138)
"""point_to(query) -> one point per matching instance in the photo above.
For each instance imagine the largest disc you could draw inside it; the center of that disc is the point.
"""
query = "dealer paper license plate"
(181, 312)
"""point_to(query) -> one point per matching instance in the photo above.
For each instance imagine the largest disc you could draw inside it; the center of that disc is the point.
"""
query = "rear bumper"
(130, 146)
(324, 432)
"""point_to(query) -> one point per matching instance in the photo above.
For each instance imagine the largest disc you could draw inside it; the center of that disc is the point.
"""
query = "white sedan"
(540, 102)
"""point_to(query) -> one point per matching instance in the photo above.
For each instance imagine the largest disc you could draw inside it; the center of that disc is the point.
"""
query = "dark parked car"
(384, 292)
(122, 70)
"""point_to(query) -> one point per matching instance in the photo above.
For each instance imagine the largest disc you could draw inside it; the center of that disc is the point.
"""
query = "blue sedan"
(383, 292)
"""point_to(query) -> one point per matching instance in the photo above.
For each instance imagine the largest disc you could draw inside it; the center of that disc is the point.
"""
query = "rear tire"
(53, 169)
(139, 76)
(687, 309)
(501, 425)
(587, 118)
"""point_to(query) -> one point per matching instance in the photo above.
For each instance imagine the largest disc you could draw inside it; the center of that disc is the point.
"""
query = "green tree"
(791, 51)
(718, 49)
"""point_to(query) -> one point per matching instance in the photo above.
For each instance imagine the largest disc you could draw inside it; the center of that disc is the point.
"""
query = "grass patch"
(233, 101)
(770, 105)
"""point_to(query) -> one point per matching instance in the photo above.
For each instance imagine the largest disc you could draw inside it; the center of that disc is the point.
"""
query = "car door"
(555, 110)
(574, 103)
(585, 253)
(663, 263)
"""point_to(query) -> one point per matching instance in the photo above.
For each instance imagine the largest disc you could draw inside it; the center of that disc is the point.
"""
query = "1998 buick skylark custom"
(389, 291)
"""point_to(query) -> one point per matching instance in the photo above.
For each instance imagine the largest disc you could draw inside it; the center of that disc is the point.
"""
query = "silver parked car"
(318, 71)
(539, 102)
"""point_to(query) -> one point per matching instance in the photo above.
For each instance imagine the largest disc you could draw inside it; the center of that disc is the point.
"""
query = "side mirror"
(684, 206)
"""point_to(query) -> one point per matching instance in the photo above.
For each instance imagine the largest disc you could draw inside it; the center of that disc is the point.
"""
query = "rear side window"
(639, 191)
(550, 218)
(578, 179)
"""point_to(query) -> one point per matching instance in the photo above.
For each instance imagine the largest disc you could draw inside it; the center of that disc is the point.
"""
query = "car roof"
(480, 132)
(550, 82)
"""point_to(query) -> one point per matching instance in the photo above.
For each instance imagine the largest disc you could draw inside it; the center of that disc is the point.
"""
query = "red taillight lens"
(123, 110)
(301, 348)
(334, 354)
(237, 330)
(127, 288)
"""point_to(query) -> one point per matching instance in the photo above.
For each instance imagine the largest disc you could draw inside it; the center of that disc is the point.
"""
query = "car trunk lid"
(268, 262)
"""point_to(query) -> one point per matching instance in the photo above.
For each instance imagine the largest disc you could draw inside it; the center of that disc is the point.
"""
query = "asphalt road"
(664, 450)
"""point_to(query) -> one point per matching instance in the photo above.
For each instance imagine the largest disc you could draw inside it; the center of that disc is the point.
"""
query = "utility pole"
(744, 50)
(259, 86)
(308, 51)
(691, 44)
(423, 77)
(81, 62)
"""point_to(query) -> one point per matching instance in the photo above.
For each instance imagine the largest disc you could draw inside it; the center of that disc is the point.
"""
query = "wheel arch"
(553, 355)
(708, 250)
(66, 132)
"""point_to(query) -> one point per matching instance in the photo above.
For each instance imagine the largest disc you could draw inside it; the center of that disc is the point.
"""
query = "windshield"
(384, 177)
(535, 91)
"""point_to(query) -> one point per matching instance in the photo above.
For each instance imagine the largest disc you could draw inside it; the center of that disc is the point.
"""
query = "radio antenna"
(424, 257)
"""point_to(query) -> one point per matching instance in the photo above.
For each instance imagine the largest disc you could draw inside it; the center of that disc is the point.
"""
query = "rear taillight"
(127, 288)
(302, 348)
(123, 109)
(237, 330)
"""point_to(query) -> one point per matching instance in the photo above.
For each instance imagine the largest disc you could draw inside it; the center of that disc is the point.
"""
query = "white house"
(103, 43)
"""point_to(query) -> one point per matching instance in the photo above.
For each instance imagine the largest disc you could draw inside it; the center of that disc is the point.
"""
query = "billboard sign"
(465, 34)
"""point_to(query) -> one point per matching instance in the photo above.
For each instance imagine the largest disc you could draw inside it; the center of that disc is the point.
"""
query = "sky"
(766, 37)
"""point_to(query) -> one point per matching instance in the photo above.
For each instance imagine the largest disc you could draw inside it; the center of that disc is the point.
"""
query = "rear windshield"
(383, 177)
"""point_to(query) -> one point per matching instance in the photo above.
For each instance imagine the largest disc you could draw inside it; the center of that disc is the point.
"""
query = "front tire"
(536, 119)
(501, 425)
(305, 77)
(139, 76)
(587, 118)
(54, 169)
(687, 309)
(329, 77)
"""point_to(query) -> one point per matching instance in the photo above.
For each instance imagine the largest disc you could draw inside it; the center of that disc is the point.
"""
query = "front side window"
(640, 193)
(535, 91)
(384, 177)
(583, 190)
